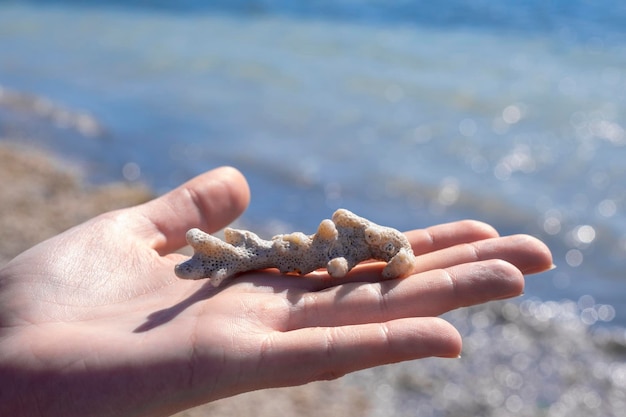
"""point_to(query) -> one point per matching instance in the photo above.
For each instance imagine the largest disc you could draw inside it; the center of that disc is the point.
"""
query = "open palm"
(94, 321)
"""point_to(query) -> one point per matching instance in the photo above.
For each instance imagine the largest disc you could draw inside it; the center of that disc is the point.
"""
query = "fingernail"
(508, 297)
(449, 356)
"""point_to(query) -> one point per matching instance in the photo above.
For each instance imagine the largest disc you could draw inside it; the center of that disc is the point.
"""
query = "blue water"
(410, 113)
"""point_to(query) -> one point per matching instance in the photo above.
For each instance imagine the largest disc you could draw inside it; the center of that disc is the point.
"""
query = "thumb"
(209, 201)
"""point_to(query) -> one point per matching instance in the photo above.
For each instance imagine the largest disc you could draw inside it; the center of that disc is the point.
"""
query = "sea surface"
(409, 113)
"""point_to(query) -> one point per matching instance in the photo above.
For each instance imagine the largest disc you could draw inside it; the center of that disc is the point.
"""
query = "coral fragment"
(338, 245)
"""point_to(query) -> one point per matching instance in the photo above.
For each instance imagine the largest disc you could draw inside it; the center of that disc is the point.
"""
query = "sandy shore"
(40, 197)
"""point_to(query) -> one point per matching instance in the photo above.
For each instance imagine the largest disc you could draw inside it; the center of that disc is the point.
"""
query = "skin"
(94, 321)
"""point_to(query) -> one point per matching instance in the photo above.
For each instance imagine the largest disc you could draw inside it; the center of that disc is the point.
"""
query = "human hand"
(94, 321)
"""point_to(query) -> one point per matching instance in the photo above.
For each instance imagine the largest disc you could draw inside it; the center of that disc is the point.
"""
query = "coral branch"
(338, 245)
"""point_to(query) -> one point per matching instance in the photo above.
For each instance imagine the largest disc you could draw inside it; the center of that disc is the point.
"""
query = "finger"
(449, 234)
(324, 353)
(426, 294)
(209, 201)
(527, 253)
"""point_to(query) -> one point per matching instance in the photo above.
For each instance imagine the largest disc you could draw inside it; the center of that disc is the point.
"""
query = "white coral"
(338, 245)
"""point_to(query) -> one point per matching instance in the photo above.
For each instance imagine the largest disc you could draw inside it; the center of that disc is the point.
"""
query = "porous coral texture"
(338, 245)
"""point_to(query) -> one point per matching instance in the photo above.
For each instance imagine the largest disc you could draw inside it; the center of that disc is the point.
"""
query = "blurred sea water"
(409, 113)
